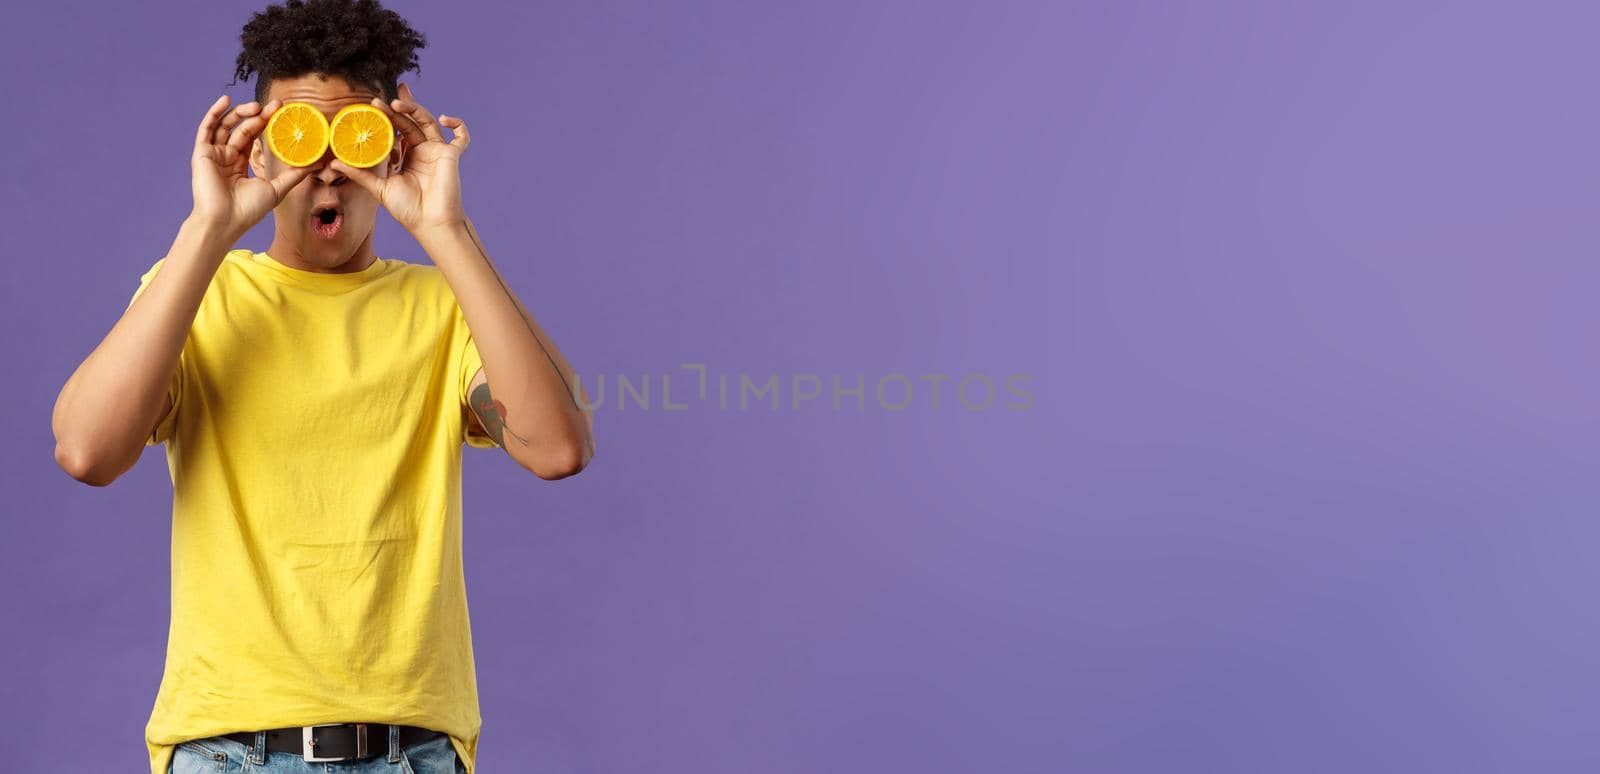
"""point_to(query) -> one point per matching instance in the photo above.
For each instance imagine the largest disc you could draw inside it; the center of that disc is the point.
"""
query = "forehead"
(326, 92)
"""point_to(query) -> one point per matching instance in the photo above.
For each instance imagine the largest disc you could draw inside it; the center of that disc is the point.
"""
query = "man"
(314, 400)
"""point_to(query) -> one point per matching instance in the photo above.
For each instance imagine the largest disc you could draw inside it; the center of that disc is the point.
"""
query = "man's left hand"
(425, 194)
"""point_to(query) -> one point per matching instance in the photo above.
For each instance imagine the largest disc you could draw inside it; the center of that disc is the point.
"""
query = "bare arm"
(537, 412)
(534, 413)
(114, 399)
(110, 404)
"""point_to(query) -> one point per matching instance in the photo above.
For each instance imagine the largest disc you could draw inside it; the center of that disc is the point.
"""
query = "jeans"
(222, 755)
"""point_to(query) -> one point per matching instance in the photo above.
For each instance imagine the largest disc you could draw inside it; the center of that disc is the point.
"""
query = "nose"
(325, 173)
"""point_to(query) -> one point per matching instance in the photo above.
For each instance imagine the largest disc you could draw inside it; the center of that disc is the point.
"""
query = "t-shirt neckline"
(320, 279)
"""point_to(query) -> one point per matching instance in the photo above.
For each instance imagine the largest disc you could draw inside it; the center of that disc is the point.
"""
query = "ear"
(397, 156)
(258, 160)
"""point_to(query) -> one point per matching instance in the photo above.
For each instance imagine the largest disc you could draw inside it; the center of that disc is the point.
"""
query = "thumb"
(364, 178)
(282, 183)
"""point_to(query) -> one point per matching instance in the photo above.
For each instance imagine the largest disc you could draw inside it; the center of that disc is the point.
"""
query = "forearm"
(545, 427)
(104, 413)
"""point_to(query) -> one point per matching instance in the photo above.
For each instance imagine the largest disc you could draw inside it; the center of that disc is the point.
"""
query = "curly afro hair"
(360, 40)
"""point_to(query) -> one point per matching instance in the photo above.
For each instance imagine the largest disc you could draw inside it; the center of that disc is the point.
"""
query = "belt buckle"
(307, 742)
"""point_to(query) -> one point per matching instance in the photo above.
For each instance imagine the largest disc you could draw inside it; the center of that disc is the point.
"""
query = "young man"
(314, 400)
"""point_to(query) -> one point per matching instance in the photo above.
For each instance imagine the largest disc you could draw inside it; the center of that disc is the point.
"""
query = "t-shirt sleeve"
(163, 430)
(468, 362)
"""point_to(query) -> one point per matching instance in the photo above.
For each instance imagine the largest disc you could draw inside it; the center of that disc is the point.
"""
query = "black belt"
(335, 741)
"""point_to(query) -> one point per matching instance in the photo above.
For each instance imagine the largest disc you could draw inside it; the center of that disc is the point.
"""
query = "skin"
(492, 414)
(294, 243)
(419, 185)
(109, 407)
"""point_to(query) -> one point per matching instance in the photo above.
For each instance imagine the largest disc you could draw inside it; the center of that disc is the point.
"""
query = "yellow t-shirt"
(315, 456)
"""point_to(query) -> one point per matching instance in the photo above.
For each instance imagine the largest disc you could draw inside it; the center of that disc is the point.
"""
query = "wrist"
(211, 230)
(441, 232)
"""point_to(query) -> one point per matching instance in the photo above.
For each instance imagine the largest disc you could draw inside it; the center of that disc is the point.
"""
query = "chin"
(327, 253)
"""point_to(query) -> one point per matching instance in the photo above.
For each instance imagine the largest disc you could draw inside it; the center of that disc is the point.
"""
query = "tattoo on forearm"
(493, 415)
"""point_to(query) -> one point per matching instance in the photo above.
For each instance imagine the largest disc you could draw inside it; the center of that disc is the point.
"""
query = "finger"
(418, 113)
(458, 128)
(232, 119)
(246, 134)
(409, 131)
(369, 182)
(423, 119)
(282, 184)
(209, 123)
(252, 127)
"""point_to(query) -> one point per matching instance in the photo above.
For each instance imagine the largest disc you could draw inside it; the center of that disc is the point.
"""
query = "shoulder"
(237, 268)
(415, 272)
(425, 281)
(419, 272)
(237, 258)
(154, 267)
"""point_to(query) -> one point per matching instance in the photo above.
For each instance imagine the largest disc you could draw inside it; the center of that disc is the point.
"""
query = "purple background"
(1307, 483)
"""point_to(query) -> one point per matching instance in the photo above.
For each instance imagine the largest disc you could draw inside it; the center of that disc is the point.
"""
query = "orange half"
(361, 135)
(297, 134)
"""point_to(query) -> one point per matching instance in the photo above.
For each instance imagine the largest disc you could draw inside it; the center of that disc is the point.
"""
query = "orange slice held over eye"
(297, 133)
(361, 135)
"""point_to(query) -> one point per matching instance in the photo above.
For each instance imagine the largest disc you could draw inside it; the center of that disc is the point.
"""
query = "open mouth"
(326, 221)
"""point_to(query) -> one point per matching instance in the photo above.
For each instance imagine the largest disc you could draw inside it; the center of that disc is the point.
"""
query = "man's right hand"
(225, 195)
